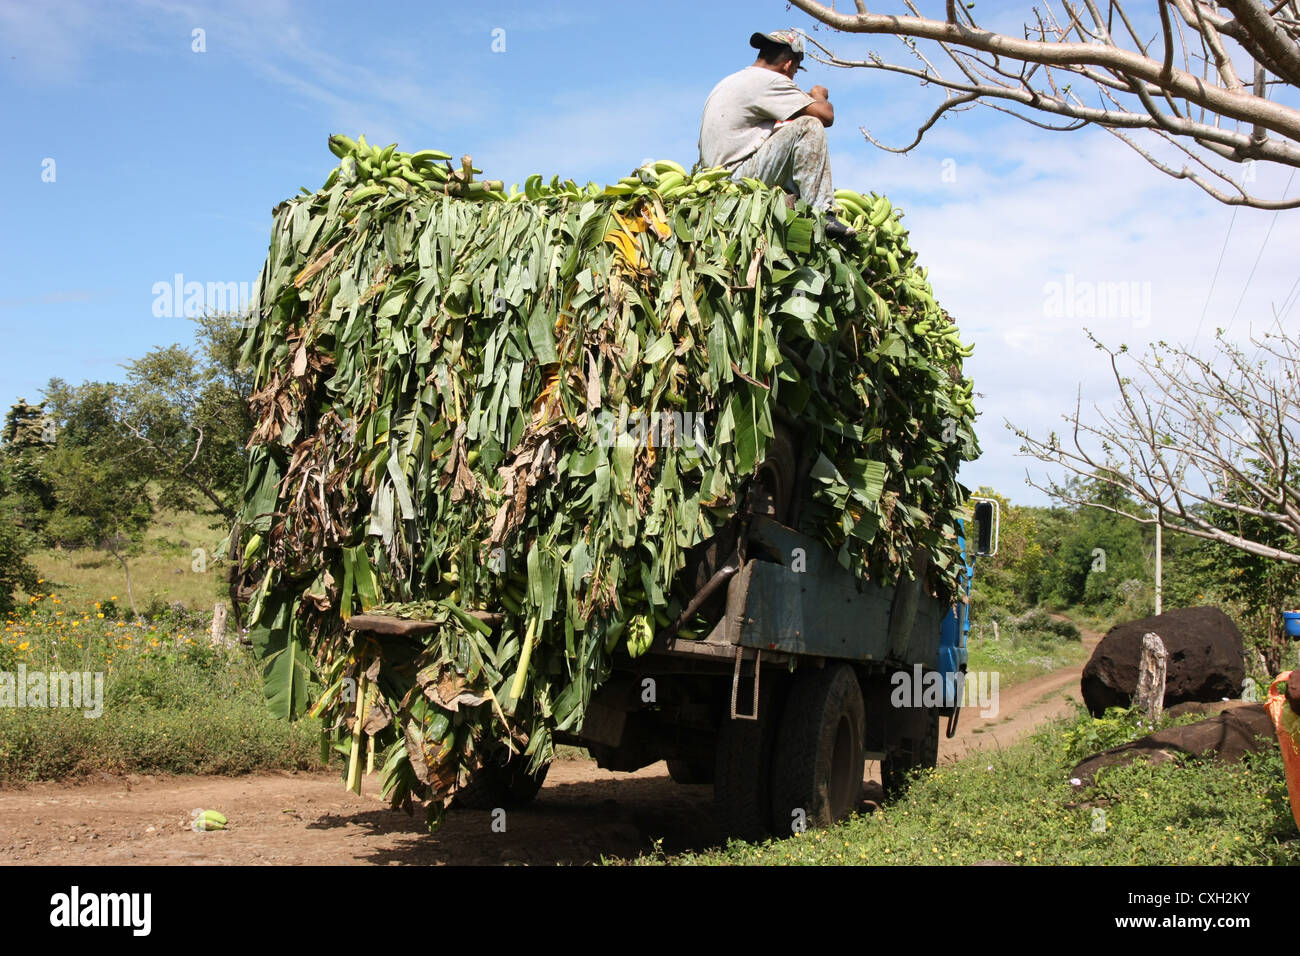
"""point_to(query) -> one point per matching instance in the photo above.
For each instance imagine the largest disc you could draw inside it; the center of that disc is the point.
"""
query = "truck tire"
(508, 787)
(910, 755)
(819, 758)
(772, 491)
(690, 772)
(742, 790)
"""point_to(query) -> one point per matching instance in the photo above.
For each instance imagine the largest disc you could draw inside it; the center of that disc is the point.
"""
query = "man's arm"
(820, 107)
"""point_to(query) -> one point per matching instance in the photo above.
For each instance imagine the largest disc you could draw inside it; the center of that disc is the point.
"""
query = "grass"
(166, 572)
(1097, 620)
(1017, 806)
(171, 703)
(1024, 646)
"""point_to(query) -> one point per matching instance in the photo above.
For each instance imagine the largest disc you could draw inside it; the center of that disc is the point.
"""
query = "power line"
(1285, 309)
(1206, 308)
(1288, 308)
(1241, 298)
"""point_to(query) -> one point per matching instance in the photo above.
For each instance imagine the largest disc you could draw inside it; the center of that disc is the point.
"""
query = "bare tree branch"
(1214, 438)
(1147, 85)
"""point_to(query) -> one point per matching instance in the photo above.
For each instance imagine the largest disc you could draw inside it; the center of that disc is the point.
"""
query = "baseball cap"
(782, 37)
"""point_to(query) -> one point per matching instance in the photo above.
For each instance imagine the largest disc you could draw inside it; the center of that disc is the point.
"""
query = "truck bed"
(793, 599)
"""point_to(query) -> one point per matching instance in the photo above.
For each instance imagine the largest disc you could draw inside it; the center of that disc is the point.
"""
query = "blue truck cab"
(952, 657)
(953, 654)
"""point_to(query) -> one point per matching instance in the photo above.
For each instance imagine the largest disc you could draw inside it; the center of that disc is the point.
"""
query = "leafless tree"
(1190, 85)
(1188, 433)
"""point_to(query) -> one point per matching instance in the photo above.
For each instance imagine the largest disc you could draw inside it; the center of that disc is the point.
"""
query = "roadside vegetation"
(1019, 647)
(1017, 806)
(171, 702)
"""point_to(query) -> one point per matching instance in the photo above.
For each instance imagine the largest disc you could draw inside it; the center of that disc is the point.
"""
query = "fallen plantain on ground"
(512, 414)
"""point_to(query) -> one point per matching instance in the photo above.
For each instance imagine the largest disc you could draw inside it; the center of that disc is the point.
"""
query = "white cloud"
(1081, 210)
(48, 42)
(278, 40)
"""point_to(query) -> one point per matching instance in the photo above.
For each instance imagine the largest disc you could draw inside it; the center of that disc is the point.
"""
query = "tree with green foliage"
(15, 544)
(25, 496)
(103, 502)
(1067, 557)
(1012, 577)
(26, 426)
(181, 415)
(27, 435)
(171, 435)
(1087, 557)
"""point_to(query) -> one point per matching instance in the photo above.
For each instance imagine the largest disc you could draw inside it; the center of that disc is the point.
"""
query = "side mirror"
(987, 516)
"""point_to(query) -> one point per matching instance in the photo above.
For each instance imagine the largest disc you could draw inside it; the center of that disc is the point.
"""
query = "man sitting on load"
(759, 124)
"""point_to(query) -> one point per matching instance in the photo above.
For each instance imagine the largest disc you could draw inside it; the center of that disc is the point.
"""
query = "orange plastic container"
(1290, 746)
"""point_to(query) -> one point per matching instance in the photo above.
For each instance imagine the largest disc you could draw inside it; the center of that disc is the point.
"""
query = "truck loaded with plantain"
(653, 469)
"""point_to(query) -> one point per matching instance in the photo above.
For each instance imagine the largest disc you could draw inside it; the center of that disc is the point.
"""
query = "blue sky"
(168, 161)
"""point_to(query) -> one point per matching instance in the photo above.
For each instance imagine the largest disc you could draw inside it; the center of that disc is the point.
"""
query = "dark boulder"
(1238, 729)
(1205, 659)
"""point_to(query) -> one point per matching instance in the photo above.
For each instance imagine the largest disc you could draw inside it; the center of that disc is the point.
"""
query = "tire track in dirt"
(1021, 708)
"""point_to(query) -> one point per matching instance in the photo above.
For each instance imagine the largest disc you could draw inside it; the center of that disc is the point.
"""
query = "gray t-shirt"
(741, 111)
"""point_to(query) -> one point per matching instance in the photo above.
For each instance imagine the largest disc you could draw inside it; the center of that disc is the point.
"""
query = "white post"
(1159, 564)
(219, 624)
(1149, 697)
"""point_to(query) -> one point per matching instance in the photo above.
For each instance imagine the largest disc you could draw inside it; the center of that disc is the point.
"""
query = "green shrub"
(1091, 735)
(1022, 646)
(1038, 620)
(16, 574)
(172, 703)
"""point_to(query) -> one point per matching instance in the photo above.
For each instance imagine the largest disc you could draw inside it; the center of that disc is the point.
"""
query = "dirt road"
(1020, 708)
(583, 814)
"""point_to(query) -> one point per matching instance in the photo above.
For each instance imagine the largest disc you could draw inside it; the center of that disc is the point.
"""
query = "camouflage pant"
(795, 158)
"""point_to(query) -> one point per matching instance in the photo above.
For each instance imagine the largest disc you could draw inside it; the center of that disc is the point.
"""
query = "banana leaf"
(532, 407)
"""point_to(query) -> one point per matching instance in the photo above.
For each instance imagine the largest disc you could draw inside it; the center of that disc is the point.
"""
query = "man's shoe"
(837, 230)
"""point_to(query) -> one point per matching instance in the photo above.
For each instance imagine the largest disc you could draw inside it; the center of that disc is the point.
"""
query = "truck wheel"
(819, 757)
(772, 492)
(690, 772)
(742, 792)
(508, 786)
(911, 754)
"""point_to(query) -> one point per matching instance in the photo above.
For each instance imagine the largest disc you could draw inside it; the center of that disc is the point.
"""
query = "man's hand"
(820, 107)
